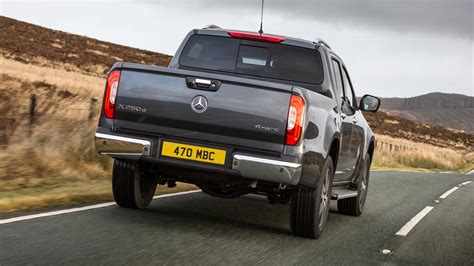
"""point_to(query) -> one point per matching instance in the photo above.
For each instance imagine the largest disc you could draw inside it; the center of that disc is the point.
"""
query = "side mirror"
(369, 103)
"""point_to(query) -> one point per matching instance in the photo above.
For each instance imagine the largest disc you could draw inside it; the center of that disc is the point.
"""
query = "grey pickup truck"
(240, 112)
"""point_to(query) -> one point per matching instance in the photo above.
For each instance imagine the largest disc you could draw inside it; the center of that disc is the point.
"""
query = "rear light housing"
(294, 126)
(255, 36)
(111, 91)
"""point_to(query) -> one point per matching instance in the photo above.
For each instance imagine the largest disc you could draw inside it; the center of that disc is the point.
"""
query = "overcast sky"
(392, 48)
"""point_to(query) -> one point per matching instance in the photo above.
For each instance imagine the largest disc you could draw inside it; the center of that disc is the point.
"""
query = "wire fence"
(391, 147)
(38, 116)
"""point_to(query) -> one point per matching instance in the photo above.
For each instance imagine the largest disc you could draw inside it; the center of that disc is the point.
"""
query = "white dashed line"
(80, 209)
(447, 193)
(408, 226)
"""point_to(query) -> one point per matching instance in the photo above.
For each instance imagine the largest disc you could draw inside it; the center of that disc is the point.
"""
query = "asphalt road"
(198, 229)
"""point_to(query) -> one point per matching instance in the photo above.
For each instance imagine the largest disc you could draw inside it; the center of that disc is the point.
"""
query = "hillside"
(448, 110)
(33, 44)
(385, 124)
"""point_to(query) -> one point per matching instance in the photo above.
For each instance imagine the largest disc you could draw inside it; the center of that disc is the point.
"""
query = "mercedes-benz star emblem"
(199, 104)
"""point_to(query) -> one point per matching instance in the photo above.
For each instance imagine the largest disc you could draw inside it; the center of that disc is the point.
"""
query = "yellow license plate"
(194, 153)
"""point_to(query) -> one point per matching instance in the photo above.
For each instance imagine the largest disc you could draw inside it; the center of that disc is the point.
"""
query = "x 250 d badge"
(199, 104)
(131, 108)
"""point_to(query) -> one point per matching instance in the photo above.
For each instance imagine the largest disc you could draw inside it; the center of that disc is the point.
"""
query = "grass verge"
(410, 155)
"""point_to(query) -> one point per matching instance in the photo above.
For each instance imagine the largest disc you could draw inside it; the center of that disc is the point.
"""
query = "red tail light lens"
(111, 91)
(255, 36)
(294, 126)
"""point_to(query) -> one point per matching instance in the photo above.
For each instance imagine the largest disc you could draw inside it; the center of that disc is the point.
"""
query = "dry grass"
(75, 82)
(414, 155)
(56, 163)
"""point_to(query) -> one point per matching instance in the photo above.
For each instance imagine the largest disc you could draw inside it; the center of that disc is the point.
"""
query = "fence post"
(32, 112)
(92, 103)
(390, 147)
(32, 108)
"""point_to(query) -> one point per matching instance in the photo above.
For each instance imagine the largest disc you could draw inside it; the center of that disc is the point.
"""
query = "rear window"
(268, 60)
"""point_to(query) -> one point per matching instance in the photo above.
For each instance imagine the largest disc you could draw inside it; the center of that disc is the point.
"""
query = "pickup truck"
(240, 112)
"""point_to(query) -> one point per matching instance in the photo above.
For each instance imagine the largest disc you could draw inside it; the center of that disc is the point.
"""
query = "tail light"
(294, 127)
(255, 36)
(111, 91)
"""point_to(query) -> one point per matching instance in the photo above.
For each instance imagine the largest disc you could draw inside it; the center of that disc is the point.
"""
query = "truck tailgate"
(242, 112)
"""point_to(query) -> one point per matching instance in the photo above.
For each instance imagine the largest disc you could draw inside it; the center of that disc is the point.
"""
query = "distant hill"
(398, 127)
(448, 110)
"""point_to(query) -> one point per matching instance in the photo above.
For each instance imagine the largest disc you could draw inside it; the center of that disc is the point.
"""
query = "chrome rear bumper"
(259, 168)
(107, 144)
(267, 169)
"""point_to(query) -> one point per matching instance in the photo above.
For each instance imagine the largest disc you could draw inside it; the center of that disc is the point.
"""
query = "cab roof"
(216, 31)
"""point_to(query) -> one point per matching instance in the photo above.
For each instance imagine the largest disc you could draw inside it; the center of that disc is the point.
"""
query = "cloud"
(452, 18)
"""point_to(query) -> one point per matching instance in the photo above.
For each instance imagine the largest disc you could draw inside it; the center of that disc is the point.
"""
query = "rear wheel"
(130, 188)
(310, 207)
(355, 206)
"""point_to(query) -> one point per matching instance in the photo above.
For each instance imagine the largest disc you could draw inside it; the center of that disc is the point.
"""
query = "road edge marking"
(466, 183)
(176, 194)
(415, 220)
(80, 209)
(447, 193)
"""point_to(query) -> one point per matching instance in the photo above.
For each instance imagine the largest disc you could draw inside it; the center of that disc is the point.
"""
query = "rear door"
(357, 137)
(343, 169)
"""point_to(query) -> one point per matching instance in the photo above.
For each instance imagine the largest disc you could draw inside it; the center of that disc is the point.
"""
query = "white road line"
(80, 209)
(408, 226)
(465, 183)
(401, 170)
(447, 193)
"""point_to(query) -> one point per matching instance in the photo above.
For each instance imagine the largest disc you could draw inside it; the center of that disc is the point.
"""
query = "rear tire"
(355, 206)
(130, 188)
(310, 207)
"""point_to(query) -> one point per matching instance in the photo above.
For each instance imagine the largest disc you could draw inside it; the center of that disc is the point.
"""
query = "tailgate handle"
(202, 84)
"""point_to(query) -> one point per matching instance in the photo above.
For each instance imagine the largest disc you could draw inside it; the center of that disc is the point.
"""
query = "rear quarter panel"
(322, 127)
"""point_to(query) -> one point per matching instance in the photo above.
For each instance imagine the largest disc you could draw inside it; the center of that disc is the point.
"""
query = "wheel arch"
(371, 148)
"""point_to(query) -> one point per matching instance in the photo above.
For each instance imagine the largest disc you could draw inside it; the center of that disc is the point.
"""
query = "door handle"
(343, 115)
(354, 121)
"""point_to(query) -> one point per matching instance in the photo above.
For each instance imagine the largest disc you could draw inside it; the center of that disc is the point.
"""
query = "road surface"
(195, 228)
